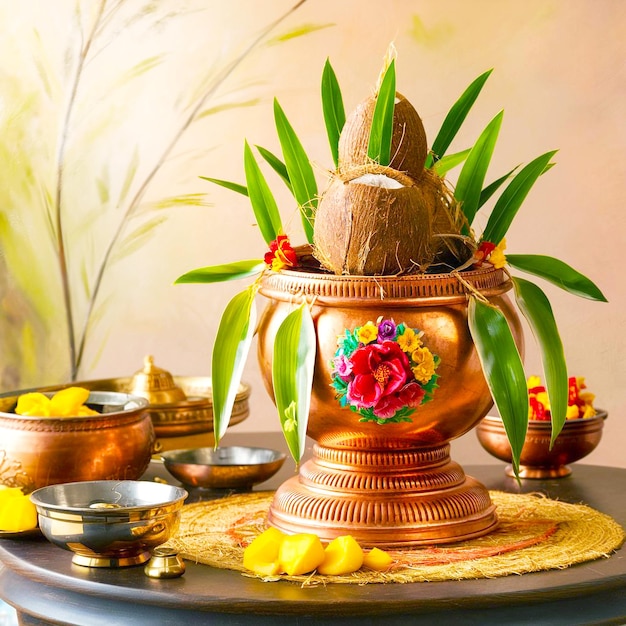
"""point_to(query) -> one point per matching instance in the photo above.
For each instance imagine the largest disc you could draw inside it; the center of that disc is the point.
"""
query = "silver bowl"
(109, 523)
(235, 467)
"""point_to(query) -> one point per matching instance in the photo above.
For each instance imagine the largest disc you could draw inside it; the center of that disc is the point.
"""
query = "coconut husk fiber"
(408, 140)
(364, 229)
(447, 222)
(535, 533)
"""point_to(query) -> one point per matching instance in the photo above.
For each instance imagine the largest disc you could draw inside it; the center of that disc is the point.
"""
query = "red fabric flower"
(537, 410)
(380, 369)
(388, 406)
(281, 254)
(484, 250)
(411, 395)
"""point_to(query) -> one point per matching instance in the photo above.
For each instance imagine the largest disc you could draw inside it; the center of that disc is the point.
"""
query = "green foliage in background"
(66, 215)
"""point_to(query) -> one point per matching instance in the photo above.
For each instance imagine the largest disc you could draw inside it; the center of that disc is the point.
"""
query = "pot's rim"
(116, 404)
(453, 286)
(600, 415)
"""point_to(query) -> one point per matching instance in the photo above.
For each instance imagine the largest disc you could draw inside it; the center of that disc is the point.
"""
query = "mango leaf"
(232, 344)
(536, 308)
(512, 198)
(263, 202)
(277, 165)
(450, 161)
(557, 272)
(222, 273)
(470, 183)
(381, 131)
(503, 371)
(242, 189)
(490, 189)
(292, 376)
(333, 109)
(455, 118)
(299, 169)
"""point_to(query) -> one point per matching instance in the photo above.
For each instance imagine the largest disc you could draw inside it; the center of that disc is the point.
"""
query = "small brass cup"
(165, 563)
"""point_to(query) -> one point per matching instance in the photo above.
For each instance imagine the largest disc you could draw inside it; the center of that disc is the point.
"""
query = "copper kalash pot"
(388, 484)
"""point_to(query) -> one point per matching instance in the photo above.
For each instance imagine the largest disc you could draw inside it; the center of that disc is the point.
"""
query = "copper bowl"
(578, 438)
(39, 451)
(234, 467)
(109, 523)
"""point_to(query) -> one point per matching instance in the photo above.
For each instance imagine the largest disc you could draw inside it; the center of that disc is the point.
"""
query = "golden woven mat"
(535, 533)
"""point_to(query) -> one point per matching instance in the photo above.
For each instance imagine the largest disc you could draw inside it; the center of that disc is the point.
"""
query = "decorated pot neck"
(440, 288)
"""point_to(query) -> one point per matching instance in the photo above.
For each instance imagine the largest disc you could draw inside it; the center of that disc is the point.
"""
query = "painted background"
(130, 152)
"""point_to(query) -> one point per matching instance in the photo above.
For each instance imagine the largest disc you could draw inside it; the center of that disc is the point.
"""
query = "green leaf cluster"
(490, 331)
(295, 340)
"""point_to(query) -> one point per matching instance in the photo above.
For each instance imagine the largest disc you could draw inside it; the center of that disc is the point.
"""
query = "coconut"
(373, 223)
(451, 248)
(408, 142)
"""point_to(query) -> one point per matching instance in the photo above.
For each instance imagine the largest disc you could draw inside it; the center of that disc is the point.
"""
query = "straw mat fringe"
(535, 533)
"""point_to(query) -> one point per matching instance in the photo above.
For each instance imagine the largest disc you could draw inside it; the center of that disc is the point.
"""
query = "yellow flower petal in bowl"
(33, 404)
(67, 402)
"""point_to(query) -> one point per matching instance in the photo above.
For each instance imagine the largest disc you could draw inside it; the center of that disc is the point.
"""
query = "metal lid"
(156, 385)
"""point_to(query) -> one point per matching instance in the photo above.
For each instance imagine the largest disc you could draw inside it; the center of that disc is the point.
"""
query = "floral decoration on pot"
(383, 371)
(389, 209)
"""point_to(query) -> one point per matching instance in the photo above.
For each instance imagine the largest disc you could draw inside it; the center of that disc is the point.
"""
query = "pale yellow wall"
(559, 74)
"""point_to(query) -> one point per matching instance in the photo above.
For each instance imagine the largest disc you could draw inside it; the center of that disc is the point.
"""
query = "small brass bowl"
(235, 467)
(36, 452)
(578, 438)
(109, 523)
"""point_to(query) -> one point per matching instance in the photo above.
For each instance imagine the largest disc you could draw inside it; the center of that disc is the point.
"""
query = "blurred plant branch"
(103, 16)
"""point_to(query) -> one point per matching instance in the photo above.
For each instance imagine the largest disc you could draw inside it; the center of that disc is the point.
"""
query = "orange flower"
(484, 250)
(281, 254)
(488, 251)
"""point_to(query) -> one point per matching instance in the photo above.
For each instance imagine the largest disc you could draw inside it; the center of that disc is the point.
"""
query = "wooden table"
(46, 588)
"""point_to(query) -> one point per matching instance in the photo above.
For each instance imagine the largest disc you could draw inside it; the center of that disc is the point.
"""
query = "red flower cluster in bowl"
(383, 371)
(579, 403)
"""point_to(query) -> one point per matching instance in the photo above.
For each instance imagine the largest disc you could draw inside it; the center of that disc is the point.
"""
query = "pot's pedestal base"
(539, 473)
(386, 498)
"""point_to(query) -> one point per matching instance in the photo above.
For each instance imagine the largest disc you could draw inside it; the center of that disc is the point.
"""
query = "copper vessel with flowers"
(581, 433)
(390, 333)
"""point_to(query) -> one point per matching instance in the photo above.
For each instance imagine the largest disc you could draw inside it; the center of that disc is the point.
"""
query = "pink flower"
(342, 366)
(364, 391)
(411, 395)
(388, 406)
(379, 370)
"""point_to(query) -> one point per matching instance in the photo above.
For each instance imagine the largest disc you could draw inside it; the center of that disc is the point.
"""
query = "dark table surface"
(40, 580)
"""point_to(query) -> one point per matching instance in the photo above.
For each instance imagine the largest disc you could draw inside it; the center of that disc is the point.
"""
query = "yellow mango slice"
(33, 404)
(343, 555)
(377, 559)
(17, 513)
(261, 556)
(67, 402)
(300, 554)
(9, 492)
